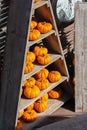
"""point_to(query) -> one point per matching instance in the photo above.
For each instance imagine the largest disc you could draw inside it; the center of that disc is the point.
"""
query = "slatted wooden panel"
(19, 15)
(81, 57)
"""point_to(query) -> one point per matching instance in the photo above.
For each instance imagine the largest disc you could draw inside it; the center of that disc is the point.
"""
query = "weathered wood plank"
(19, 15)
(81, 57)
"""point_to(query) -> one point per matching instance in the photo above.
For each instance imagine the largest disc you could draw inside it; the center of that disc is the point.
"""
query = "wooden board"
(13, 62)
(81, 57)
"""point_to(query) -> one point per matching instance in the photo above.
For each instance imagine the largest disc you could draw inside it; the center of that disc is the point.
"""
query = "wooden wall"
(19, 15)
(81, 57)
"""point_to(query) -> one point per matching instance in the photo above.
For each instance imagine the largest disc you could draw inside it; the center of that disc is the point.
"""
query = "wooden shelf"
(53, 43)
(26, 102)
(30, 43)
(53, 105)
(38, 67)
(40, 3)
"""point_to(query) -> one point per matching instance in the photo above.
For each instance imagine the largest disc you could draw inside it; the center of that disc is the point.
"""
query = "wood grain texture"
(81, 56)
(19, 15)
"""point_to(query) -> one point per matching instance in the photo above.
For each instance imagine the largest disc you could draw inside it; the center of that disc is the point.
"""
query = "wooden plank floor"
(75, 123)
(60, 115)
(65, 119)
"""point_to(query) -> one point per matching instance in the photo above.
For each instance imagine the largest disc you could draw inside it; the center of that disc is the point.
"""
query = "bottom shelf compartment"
(53, 105)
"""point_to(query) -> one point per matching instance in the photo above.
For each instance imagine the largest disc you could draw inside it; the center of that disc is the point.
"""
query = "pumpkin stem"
(29, 112)
(43, 23)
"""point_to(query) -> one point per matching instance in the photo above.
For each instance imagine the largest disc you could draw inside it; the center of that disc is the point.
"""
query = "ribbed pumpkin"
(42, 74)
(20, 114)
(28, 67)
(44, 27)
(44, 59)
(33, 24)
(44, 97)
(29, 116)
(19, 125)
(34, 34)
(40, 105)
(31, 92)
(54, 76)
(30, 57)
(55, 94)
(42, 83)
(40, 50)
(29, 82)
(30, 107)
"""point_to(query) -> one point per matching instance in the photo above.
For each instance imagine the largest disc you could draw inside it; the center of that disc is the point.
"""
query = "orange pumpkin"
(30, 107)
(20, 114)
(29, 82)
(42, 83)
(54, 76)
(55, 94)
(35, 1)
(44, 27)
(29, 116)
(30, 57)
(44, 97)
(34, 35)
(44, 59)
(19, 125)
(40, 105)
(31, 92)
(74, 80)
(40, 50)
(28, 67)
(42, 74)
(33, 24)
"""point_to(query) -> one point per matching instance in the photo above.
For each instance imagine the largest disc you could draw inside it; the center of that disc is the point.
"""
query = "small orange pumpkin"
(44, 59)
(34, 35)
(42, 74)
(55, 94)
(74, 80)
(44, 97)
(42, 83)
(54, 76)
(30, 57)
(35, 1)
(40, 105)
(30, 107)
(20, 114)
(44, 27)
(40, 50)
(19, 125)
(29, 116)
(31, 92)
(29, 82)
(33, 24)
(28, 67)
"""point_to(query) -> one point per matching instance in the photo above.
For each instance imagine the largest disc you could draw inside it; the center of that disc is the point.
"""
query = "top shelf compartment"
(40, 3)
